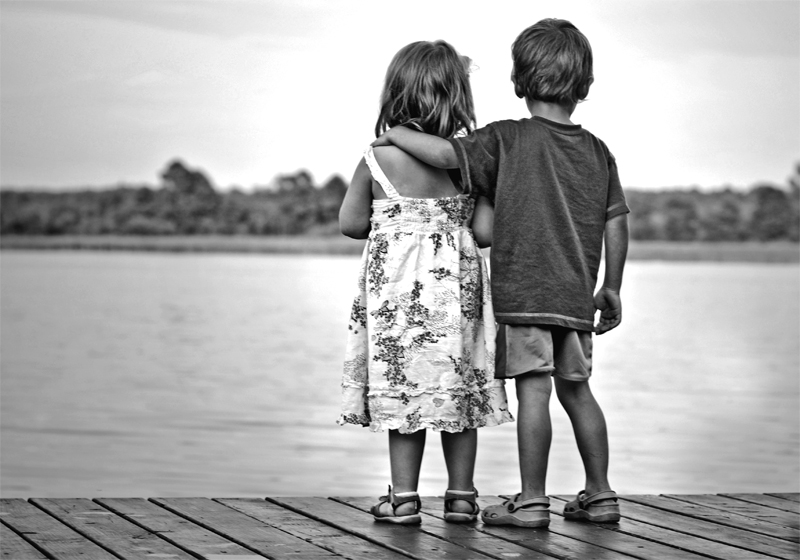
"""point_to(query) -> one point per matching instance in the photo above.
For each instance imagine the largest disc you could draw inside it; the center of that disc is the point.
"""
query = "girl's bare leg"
(405, 458)
(460, 449)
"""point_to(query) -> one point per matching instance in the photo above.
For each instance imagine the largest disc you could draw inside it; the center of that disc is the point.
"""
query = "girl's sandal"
(388, 514)
(464, 495)
(583, 507)
(527, 513)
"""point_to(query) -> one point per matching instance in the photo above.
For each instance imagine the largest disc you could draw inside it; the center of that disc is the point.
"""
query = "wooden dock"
(721, 526)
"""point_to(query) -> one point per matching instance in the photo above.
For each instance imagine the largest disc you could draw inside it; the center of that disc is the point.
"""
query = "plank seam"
(309, 539)
(27, 540)
(686, 533)
(208, 527)
(155, 533)
(755, 503)
(740, 528)
(704, 536)
(682, 499)
(623, 531)
(341, 527)
(475, 528)
(81, 533)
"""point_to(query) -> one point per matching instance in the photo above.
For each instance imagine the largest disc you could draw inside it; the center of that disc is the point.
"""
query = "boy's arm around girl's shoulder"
(607, 299)
(356, 209)
(433, 150)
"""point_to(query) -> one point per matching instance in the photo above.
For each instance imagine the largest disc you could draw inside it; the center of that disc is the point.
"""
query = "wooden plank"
(791, 496)
(720, 534)
(408, 540)
(662, 542)
(464, 535)
(716, 516)
(242, 529)
(316, 532)
(49, 534)
(114, 533)
(14, 547)
(768, 501)
(731, 505)
(175, 529)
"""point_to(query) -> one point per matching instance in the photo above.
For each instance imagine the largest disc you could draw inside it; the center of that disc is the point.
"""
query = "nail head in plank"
(316, 532)
(242, 529)
(176, 529)
(48, 533)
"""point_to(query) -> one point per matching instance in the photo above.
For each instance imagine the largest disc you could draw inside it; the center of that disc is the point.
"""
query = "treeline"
(186, 203)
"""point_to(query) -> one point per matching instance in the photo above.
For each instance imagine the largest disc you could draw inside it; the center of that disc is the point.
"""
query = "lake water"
(142, 374)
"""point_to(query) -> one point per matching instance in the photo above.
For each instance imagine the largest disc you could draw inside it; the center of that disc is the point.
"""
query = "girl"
(420, 351)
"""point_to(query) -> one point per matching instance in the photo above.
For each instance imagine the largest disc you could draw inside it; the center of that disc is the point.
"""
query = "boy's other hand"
(609, 304)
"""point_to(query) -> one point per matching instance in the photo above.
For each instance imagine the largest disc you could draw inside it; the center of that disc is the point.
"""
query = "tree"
(773, 214)
(682, 223)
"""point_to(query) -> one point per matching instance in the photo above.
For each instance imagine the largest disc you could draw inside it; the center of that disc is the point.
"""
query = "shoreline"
(772, 252)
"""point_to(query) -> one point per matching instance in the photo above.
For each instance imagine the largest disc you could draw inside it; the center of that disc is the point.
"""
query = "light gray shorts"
(560, 351)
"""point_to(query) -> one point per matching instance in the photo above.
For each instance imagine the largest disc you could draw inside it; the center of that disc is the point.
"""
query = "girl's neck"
(551, 111)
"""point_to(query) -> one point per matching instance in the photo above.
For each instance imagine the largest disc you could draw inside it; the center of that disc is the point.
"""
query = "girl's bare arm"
(356, 210)
(483, 222)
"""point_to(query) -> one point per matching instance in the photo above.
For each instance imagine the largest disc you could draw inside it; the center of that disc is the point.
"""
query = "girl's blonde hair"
(427, 87)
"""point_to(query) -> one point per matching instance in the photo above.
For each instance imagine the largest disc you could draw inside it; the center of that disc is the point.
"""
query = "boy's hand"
(608, 302)
(382, 140)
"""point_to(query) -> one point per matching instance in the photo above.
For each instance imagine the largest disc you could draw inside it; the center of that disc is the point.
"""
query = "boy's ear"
(517, 89)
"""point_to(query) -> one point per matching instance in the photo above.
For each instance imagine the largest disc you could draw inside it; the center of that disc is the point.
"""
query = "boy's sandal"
(586, 507)
(388, 514)
(526, 513)
(466, 496)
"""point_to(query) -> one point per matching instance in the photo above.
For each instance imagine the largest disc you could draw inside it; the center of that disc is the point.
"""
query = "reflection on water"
(131, 374)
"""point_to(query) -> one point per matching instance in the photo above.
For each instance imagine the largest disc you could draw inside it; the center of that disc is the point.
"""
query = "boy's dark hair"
(552, 63)
(427, 87)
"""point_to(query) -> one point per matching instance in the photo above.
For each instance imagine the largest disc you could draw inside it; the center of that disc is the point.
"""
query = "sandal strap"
(464, 495)
(513, 505)
(395, 500)
(604, 495)
(405, 497)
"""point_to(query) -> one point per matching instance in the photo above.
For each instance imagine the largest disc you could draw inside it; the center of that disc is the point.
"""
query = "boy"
(557, 197)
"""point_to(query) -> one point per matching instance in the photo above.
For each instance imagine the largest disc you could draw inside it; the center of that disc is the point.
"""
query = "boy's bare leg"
(534, 431)
(460, 449)
(405, 458)
(591, 435)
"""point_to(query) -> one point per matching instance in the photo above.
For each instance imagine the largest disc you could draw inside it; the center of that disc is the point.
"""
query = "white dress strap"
(379, 175)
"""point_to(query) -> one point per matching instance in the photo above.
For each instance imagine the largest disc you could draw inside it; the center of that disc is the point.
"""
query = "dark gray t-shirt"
(553, 186)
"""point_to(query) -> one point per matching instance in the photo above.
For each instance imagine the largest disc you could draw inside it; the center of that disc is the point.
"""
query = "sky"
(687, 93)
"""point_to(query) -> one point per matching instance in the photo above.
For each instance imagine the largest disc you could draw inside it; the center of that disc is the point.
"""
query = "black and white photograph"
(306, 279)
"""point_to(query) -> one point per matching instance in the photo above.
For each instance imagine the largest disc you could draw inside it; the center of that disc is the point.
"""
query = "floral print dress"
(420, 348)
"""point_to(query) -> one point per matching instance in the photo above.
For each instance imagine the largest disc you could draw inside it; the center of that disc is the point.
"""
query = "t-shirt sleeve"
(478, 160)
(615, 204)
